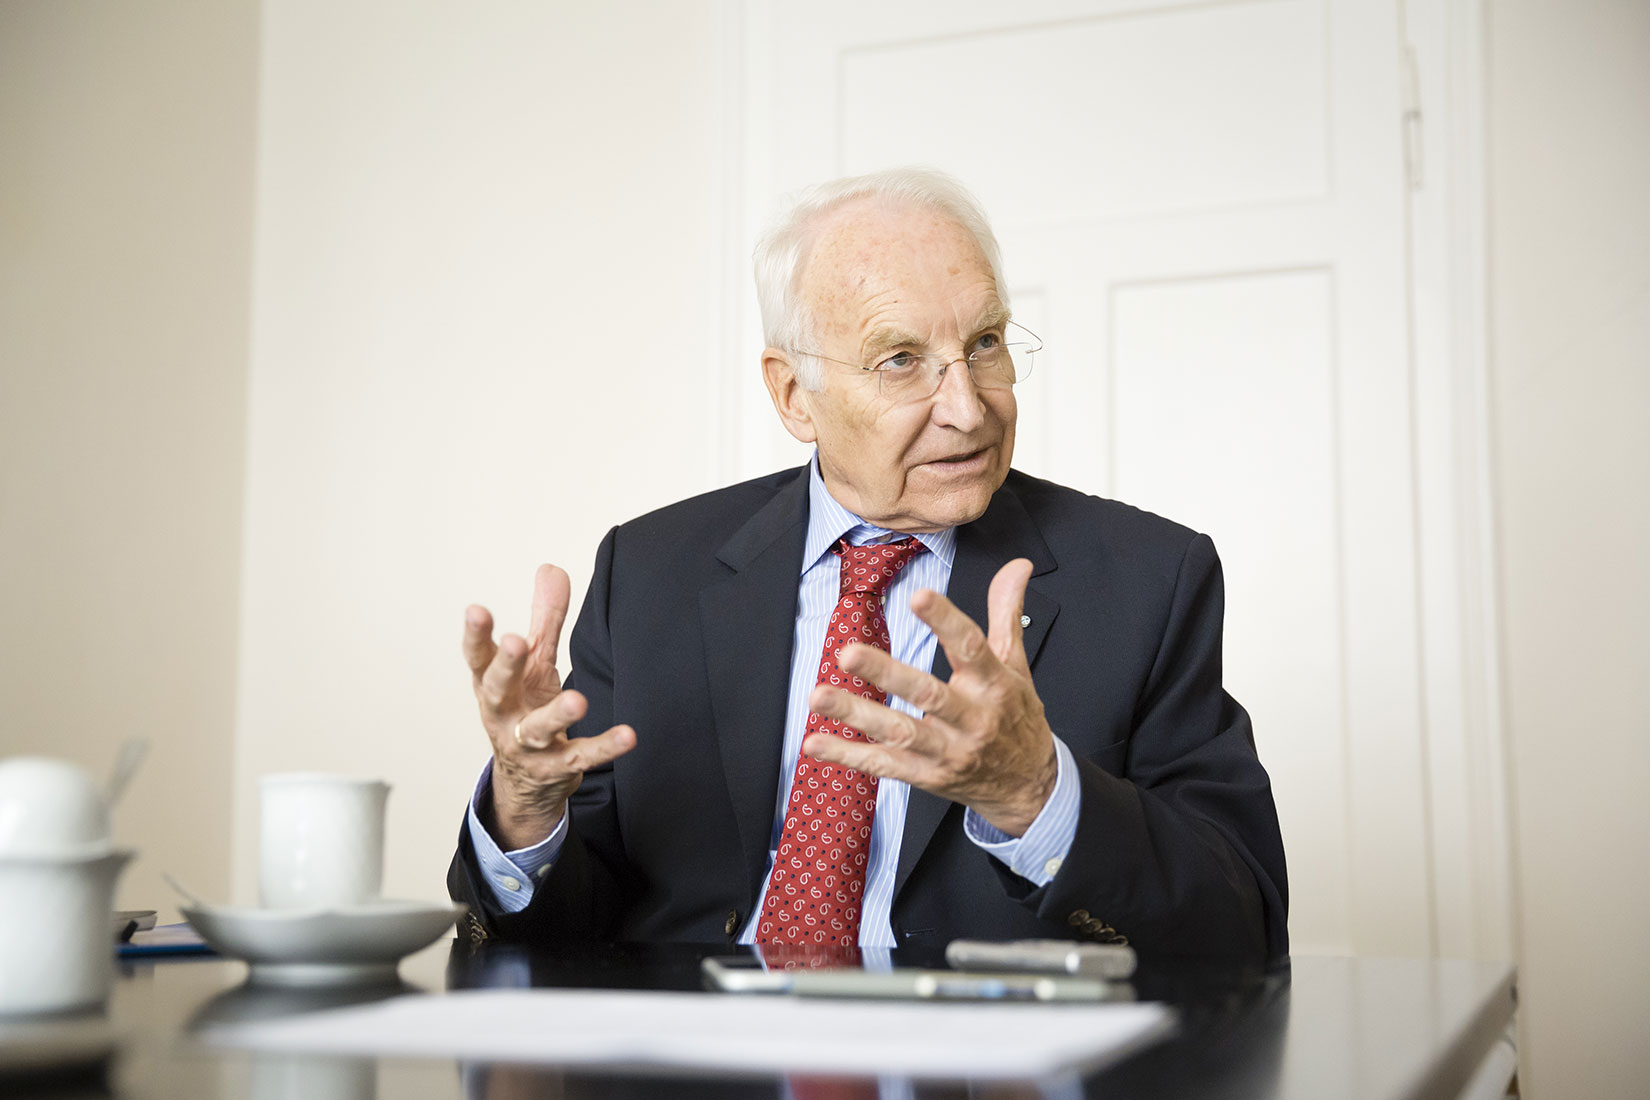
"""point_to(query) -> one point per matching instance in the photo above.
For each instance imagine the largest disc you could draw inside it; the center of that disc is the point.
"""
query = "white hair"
(783, 250)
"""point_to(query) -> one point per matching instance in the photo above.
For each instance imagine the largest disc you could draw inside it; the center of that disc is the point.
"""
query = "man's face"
(879, 282)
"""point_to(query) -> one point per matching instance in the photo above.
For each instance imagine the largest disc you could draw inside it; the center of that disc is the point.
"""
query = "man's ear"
(789, 396)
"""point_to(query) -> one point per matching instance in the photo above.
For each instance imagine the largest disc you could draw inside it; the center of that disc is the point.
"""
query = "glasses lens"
(999, 367)
(919, 376)
(913, 380)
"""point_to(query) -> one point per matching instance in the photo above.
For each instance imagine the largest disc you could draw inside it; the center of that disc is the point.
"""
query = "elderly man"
(785, 721)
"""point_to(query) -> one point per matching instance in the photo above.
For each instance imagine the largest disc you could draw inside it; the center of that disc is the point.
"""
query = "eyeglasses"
(994, 364)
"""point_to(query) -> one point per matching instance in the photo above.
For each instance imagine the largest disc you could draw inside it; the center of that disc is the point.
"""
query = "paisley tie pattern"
(817, 886)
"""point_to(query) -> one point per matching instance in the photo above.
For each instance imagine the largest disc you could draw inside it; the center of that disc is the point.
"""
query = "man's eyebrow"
(995, 317)
(881, 339)
(888, 336)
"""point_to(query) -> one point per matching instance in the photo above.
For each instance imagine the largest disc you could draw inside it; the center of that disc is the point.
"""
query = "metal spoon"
(127, 762)
(188, 895)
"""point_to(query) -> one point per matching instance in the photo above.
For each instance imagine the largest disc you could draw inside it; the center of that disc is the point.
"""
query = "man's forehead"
(868, 255)
(867, 228)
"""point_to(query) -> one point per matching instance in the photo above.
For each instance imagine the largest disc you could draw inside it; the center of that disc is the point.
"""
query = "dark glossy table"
(1383, 1029)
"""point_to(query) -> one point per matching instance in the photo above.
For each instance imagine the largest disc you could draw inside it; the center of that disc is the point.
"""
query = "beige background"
(127, 138)
(318, 321)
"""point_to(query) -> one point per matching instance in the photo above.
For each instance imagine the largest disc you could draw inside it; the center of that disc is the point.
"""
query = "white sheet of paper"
(760, 1034)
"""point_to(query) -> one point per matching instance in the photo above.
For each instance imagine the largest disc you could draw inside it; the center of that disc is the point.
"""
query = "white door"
(1202, 211)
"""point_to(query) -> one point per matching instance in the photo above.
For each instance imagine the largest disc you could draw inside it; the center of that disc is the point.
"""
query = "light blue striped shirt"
(1036, 856)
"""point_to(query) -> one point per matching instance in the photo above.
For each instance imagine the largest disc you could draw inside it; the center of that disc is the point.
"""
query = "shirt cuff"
(510, 875)
(1037, 856)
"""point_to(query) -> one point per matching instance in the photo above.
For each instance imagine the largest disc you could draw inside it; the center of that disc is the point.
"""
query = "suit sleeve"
(587, 886)
(1182, 854)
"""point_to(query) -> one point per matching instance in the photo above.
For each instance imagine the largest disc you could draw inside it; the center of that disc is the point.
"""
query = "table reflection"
(494, 965)
(299, 1077)
(512, 1082)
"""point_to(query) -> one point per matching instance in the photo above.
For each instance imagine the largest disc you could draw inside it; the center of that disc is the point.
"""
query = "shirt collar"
(829, 522)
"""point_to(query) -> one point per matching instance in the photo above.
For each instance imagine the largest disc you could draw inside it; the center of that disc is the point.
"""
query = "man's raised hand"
(536, 766)
(982, 741)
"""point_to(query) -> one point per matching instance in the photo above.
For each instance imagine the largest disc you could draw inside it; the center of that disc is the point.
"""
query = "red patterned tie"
(817, 886)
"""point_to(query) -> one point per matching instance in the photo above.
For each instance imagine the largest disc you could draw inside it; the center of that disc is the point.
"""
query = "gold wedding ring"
(520, 744)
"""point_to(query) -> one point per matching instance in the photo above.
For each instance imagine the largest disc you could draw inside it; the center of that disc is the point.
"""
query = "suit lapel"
(1004, 533)
(748, 621)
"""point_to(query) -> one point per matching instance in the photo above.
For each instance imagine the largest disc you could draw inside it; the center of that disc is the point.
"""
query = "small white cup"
(320, 841)
(57, 887)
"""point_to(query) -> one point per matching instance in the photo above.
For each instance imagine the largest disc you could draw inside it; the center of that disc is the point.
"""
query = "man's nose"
(957, 401)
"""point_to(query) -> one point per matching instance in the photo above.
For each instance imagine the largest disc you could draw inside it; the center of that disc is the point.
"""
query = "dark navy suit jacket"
(686, 635)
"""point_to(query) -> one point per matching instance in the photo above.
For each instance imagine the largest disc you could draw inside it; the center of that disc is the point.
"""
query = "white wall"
(484, 324)
(1570, 289)
(126, 145)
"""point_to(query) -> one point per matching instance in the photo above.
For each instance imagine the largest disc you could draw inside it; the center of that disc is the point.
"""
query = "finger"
(964, 642)
(551, 593)
(927, 693)
(1006, 603)
(502, 680)
(880, 723)
(478, 639)
(583, 753)
(882, 761)
(539, 728)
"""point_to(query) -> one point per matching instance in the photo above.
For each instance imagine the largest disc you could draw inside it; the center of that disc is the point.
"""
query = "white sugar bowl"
(57, 888)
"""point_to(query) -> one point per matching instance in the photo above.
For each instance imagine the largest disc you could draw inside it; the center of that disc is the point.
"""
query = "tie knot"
(871, 568)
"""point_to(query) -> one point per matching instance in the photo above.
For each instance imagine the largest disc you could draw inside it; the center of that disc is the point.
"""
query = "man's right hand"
(536, 766)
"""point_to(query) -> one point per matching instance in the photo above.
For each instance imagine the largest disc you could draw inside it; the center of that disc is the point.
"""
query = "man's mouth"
(961, 462)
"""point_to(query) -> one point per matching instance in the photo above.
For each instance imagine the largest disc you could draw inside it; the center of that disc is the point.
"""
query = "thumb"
(1005, 603)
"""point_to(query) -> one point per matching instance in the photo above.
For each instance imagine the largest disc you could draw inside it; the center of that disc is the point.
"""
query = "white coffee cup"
(56, 951)
(320, 840)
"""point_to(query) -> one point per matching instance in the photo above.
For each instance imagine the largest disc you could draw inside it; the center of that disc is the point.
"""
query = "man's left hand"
(982, 740)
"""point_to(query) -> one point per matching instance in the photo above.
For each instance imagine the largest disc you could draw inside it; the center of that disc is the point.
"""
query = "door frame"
(1465, 769)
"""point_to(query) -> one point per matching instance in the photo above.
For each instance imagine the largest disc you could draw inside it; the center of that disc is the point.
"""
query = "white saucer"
(360, 943)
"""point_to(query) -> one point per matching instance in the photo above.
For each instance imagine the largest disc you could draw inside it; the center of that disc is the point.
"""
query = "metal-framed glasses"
(995, 361)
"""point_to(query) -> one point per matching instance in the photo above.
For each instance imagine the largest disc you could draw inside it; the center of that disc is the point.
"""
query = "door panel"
(1220, 126)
